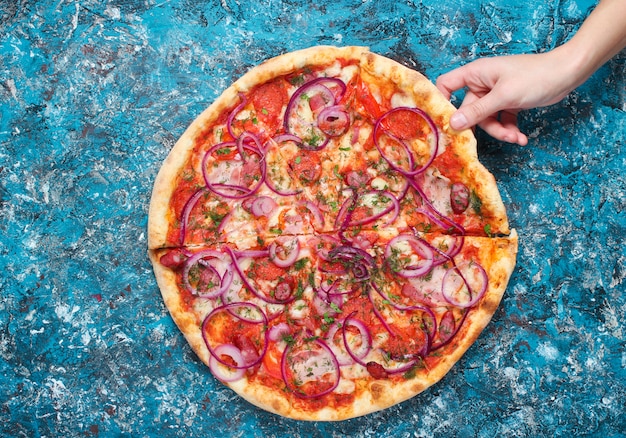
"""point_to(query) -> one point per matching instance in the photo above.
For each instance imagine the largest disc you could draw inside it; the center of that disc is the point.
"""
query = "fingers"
(504, 128)
(474, 110)
(451, 82)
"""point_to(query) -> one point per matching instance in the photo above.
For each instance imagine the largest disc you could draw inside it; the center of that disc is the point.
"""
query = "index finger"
(452, 81)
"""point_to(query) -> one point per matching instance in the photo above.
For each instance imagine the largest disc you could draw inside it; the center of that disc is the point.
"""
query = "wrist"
(576, 61)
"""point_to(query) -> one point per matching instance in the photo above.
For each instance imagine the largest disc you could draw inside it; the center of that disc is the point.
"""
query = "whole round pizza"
(327, 244)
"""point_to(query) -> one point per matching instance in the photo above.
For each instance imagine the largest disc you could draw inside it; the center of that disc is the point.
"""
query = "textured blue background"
(94, 94)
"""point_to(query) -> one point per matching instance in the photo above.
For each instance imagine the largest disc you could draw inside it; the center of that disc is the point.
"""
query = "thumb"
(474, 110)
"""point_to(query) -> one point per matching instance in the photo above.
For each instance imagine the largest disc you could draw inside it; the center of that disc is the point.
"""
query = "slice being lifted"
(323, 239)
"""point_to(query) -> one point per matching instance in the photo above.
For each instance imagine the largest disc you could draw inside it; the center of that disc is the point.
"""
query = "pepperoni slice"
(268, 101)
(307, 167)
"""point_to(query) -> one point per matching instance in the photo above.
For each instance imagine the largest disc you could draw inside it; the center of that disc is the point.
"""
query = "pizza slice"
(327, 331)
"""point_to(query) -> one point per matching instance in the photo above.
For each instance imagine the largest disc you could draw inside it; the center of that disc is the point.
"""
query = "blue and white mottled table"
(94, 94)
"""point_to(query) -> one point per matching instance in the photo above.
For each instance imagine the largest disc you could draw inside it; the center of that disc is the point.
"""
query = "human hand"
(498, 88)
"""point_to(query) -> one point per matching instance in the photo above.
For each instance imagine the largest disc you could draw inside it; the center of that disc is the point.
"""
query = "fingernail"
(458, 120)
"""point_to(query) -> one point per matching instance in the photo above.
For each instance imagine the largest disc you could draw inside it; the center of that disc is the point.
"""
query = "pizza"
(327, 245)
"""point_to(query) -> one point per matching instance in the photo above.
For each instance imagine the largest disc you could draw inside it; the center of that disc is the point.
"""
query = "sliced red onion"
(310, 360)
(284, 251)
(402, 367)
(464, 286)
(323, 244)
(248, 284)
(337, 344)
(318, 218)
(221, 369)
(377, 312)
(434, 142)
(447, 327)
(351, 254)
(251, 141)
(420, 249)
(277, 188)
(359, 355)
(189, 205)
(279, 331)
(262, 206)
(442, 341)
(364, 336)
(234, 112)
(312, 90)
(245, 312)
(333, 121)
(195, 260)
(434, 215)
(394, 205)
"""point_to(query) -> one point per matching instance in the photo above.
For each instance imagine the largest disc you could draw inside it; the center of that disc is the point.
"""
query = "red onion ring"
(189, 205)
(434, 144)
(454, 284)
(230, 308)
(411, 307)
(278, 332)
(419, 248)
(234, 112)
(246, 282)
(276, 142)
(217, 365)
(445, 222)
(315, 86)
(225, 280)
(318, 218)
(395, 206)
(313, 347)
(291, 248)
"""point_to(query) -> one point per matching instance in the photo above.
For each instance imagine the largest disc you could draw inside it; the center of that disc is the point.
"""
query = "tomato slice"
(368, 102)
(272, 359)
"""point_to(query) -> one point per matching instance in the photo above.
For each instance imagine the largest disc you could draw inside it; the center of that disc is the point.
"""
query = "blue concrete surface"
(94, 94)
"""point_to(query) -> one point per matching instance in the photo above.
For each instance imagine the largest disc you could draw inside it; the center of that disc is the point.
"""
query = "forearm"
(600, 37)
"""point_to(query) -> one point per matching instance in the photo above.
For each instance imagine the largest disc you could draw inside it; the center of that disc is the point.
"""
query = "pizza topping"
(233, 177)
(408, 256)
(309, 367)
(201, 276)
(227, 363)
(333, 121)
(373, 205)
(217, 330)
(308, 167)
(464, 285)
(312, 103)
(402, 143)
(260, 205)
(376, 370)
(279, 178)
(173, 259)
(459, 197)
(284, 251)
